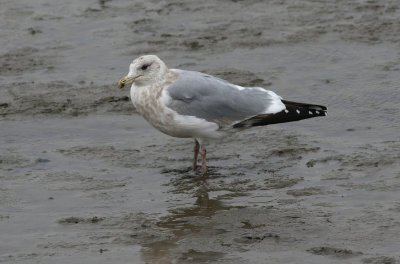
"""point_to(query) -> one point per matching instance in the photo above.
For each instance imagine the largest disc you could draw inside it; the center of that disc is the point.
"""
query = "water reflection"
(186, 221)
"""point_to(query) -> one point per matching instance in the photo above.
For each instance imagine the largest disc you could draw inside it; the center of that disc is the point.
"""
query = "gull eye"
(144, 67)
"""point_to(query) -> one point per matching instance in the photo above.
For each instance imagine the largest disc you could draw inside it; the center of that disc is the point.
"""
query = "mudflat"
(84, 179)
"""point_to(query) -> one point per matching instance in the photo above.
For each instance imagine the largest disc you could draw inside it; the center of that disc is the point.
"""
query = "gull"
(190, 104)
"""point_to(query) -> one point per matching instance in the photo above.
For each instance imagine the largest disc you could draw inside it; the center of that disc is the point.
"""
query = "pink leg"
(196, 153)
(203, 152)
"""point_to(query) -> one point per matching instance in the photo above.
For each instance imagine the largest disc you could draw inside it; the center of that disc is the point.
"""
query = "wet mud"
(84, 179)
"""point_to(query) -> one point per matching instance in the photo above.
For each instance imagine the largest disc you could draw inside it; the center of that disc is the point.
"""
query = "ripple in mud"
(12, 161)
(334, 252)
(59, 98)
(381, 185)
(294, 152)
(380, 260)
(193, 256)
(79, 220)
(306, 191)
(74, 180)
(123, 157)
(24, 60)
(280, 182)
(368, 155)
(119, 229)
(256, 238)
(239, 77)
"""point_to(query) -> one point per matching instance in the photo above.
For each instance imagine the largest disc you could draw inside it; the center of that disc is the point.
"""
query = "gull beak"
(126, 80)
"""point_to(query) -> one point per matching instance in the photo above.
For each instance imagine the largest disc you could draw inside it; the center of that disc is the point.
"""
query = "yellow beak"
(126, 80)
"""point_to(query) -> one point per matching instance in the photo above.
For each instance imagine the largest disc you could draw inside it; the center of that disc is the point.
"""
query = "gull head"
(143, 71)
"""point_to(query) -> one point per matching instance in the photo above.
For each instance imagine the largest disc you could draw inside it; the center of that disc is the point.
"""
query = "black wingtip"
(294, 111)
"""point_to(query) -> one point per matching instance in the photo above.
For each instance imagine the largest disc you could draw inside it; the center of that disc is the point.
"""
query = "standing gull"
(191, 104)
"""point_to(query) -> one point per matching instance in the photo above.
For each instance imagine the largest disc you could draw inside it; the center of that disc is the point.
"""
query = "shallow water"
(84, 179)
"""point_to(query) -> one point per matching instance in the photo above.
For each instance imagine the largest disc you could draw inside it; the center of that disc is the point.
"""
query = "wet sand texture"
(83, 179)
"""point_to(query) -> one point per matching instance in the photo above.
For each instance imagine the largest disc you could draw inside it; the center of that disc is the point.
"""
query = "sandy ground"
(83, 179)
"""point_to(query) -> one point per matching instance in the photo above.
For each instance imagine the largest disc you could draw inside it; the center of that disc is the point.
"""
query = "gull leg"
(196, 153)
(203, 152)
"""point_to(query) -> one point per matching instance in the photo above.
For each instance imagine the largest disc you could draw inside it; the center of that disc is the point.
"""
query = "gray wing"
(216, 100)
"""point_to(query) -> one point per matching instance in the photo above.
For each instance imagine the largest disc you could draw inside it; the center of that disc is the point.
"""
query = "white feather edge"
(276, 104)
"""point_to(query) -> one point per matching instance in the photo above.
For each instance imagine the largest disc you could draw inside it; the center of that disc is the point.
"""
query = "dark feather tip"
(294, 111)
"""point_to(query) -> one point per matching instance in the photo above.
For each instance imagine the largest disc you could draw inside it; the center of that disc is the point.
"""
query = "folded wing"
(216, 100)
